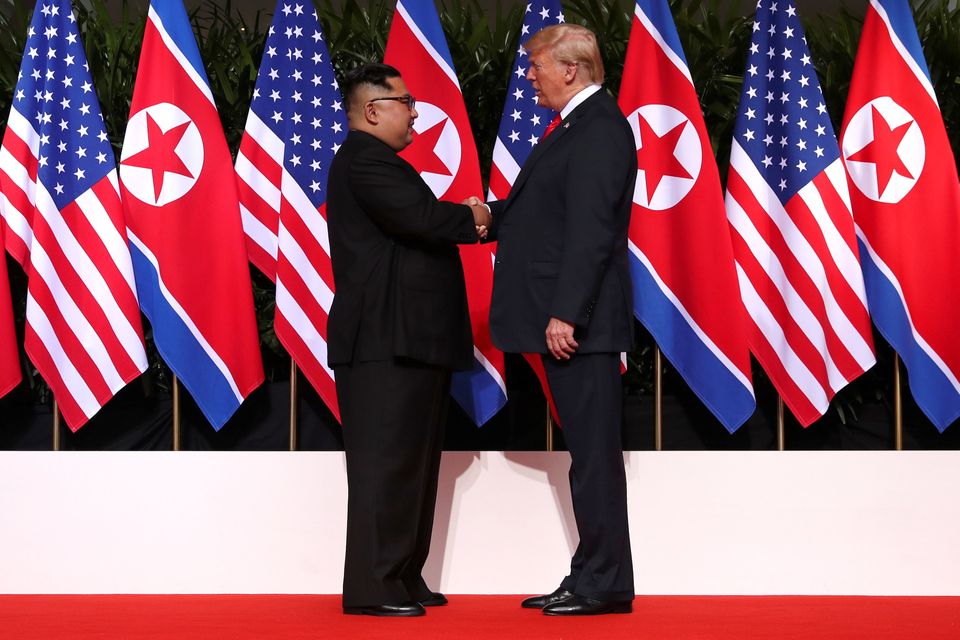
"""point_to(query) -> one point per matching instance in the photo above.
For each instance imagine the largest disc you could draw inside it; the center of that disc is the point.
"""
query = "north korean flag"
(183, 221)
(444, 152)
(681, 256)
(906, 205)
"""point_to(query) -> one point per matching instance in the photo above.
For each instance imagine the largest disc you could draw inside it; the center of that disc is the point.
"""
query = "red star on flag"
(657, 158)
(422, 151)
(882, 151)
(160, 156)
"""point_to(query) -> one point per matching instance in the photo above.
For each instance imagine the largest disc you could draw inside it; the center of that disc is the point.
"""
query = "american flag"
(60, 199)
(789, 211)
(521, 127)
(295, 126)
(523, 121)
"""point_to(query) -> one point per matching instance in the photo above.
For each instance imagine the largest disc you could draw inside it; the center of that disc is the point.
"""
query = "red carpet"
(475, 617)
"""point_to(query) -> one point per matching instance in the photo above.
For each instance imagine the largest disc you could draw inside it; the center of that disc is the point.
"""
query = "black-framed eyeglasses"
(406, 99)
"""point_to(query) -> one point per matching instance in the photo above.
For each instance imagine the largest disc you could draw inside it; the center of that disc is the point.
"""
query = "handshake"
(481, 215)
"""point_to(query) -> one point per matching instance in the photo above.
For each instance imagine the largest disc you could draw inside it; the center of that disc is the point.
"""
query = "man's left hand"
(560, 341)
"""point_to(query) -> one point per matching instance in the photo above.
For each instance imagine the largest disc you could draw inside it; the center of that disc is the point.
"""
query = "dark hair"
(375, 74)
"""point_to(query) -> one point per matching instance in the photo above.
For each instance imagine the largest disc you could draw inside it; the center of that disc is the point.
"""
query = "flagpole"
(549, 428)
(897, 404)
(781, 434)
(56, 426)
(176, 414)
(293, 405)
(657, 401)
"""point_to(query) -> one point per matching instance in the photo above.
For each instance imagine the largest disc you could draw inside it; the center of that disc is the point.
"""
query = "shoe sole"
(351, 611)
(616, 609)
(433, 603)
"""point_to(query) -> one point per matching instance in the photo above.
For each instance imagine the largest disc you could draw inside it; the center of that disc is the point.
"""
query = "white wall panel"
(702, 522)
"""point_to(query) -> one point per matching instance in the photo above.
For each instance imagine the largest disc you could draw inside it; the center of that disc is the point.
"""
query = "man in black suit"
(562, 288)
(397, 328)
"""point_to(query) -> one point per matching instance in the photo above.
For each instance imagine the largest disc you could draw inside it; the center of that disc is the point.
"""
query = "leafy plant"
(113, 52)
(938, 24)
(14, 20)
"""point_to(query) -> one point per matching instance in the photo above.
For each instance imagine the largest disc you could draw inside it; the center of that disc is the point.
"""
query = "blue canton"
(523, 121)
(298, 97)
(55, 94)
(782, 123)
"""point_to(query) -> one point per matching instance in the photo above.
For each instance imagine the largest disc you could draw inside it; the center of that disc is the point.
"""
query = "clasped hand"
(481, 215)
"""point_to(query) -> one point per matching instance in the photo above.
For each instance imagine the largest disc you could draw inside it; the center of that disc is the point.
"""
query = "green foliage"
(483, 52)
(231, 50)
(939, 27)
(612, 25)
(113, 51)
(714, 35)
(355, 34)
(833, 46)
(14, 19)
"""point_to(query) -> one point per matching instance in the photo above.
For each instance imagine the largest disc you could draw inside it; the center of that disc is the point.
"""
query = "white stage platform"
(711, 523)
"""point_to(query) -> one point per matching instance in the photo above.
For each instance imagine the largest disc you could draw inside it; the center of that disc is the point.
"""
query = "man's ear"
(370, 113)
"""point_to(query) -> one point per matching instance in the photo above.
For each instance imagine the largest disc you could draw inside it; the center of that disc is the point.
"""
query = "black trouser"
(393, 416)
(588, 394)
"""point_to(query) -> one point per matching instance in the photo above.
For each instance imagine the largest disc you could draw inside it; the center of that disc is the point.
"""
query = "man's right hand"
(481, 215)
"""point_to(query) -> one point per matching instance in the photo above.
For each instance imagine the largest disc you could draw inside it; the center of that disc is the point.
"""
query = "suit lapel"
(545, 145)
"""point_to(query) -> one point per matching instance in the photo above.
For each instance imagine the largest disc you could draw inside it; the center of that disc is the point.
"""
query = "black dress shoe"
(581, 606)
(539, 602)
(435, 600)
(402, 610)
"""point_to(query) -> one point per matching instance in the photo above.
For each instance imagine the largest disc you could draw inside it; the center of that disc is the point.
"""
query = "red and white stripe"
(801, 283)
(83, 321)
(287, 240)
(503, 172)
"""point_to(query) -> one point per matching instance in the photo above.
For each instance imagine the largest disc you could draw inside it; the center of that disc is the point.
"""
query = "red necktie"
(550, 127)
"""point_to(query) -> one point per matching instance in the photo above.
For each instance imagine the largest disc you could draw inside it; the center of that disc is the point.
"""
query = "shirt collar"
(578, 99)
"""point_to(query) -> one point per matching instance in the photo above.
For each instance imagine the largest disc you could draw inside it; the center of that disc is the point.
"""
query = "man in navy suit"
(562, 288)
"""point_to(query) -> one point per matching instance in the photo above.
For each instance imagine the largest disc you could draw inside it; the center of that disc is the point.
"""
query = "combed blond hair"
(570, 44)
